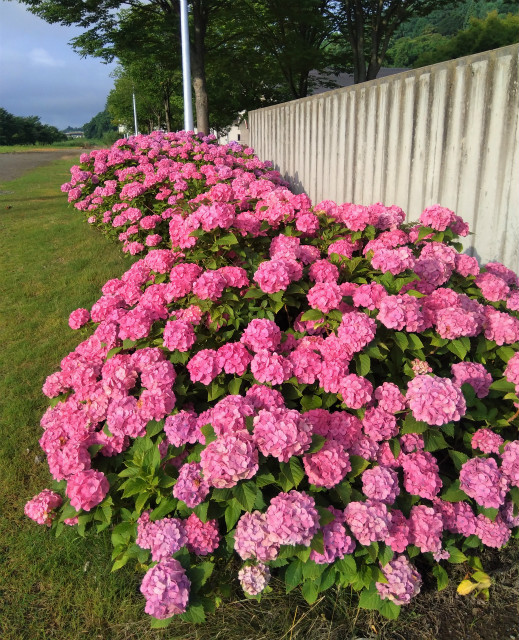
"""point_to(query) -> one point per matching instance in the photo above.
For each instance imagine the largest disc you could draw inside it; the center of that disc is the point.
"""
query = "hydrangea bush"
(321, 392)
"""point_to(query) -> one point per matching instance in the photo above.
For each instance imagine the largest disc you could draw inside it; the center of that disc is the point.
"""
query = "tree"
(26, 130)
(99, 125)
(369, 24)
(483, 34)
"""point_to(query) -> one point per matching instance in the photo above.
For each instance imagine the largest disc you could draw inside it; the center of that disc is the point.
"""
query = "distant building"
(71, 135)
(239, 131)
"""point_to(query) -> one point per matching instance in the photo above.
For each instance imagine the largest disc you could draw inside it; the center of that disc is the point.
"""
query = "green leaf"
(160, 624)
(489, 512)
(317, 543)
(401, 340)
(128, 344)
(310, 591)
(194, 613)
(200, 574)
(503, 385)
(264, 479)
(118, 564)
(328, 578)
(456, 556)
(424, 231)
(141, 500)
(454, 493)
(343, 490)
(254, 292)
(245, 494)
(227, 240)
(458, 458)
(457, 348)
(311, 402)
(442, 579)
(234, 386)
(312, 314)
(201, 511)
(411, 425)
(389, 610)
(394, 445)
(292, 470)
(293, 575)
(414, 341)
(434, 440)
(153, 427)
(113, 352)
(363, 362)
(209, 433)
(358, 465)
(317, 443)
(232, 513)
(514, 494)
(385, 555)
(505, 353)
(215, 391)
(347, 567)
(370, 599)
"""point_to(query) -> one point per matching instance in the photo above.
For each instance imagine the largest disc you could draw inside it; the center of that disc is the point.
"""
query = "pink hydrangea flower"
(182, 428)
(202, 537)
(229, 459)
(356, 391)
(481, 479)
(163, 537)
(41, 507)
(368, 521)
(510, 462)
(492, 534)
(493, 287)
(271, 367)
(166, 589)
(390, 397)
(252, 538)
(421, 474)
(78, 318)
(324, 296)
(381, 484)
(487, 441)
(356, 330)
(501, 327)
(458, 517)
(437, 217)
(281, 433)
(328, 466)
(512, 369)
(254, 578)
(474, 374)
(379, 424)
(261, 334)
(87, 489)
(403, 581)
(435, 400)
(426, 527)
(323, 271)
(306, 365)
(399, 532)
(179, 334)
(336, 542)
(369, 295)
(292, 518)
(191, 486)
(204, 366)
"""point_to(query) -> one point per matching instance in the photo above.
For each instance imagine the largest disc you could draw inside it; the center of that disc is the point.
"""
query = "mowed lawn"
(51, 263)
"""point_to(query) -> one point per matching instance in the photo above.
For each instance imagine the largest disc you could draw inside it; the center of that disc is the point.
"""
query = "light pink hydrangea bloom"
(369, 521)
(166, 589)
(421, 474)
(254, 578)
(87, 489)
(487, 441)
(482, 480)
(229, 459)
(41, 507)
(328, 466)
(435, 400)
(78, 318)
(202, 537)
(282, 433)
(252, 538)
(381, 484)
(292, 518)
(191, 486)
(403, 581)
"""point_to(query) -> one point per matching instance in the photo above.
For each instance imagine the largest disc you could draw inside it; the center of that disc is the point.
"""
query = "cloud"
(42, 57)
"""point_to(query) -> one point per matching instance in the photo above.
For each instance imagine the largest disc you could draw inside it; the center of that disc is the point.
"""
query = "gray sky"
(40, 74)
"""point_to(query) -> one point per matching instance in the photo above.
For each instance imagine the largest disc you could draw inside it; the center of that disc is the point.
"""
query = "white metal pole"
(135, 114)
(186, 67)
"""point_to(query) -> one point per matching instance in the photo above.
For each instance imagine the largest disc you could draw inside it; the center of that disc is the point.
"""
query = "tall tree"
(369, 24)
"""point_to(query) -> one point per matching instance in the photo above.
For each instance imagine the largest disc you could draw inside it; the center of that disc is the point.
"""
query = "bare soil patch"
(14, 165)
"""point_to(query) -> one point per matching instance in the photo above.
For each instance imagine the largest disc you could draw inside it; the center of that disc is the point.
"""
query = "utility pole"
(186, 67)
(135, 113)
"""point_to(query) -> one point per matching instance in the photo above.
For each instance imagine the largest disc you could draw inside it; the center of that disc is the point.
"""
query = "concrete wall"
(444, 134)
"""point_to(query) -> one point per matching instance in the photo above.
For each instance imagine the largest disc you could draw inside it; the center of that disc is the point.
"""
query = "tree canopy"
(26, 130)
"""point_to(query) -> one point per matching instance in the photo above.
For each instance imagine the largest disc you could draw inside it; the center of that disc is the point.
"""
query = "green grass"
(78, 143)
(51, 263)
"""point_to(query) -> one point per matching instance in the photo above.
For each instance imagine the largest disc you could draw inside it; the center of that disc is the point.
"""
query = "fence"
(444, 134)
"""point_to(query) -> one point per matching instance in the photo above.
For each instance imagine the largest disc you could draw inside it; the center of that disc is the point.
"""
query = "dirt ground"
(13, 165)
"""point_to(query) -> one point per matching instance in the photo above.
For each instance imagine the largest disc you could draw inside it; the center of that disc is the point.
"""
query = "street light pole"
(186, 67)
(135, 114)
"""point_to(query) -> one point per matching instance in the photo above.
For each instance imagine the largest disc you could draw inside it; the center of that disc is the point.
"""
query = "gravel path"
(13, 165)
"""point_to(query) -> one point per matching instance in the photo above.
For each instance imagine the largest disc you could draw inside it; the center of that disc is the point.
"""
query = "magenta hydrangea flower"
(324, 296)
(271, 367)
(86, 489)
(399, 532)
(323, 271)
(379, 424)
(202, 537)
(163, 537)
(254, 578)
(474, 374)
(510, 462)
(403, 581)
(229, 459)
(41, 507)
(204, 366)
(166, 589)
(356, 391)
(482, 480)
(261, 334)
(328, 466)
(390, 397)
(356, 330)
(234, 358)
(421, 474)
(281, 433)
(426, 527)
(182, 428)
(380, 484)
(493, 287)
(435, 400)
(179, 334)
(458, 517)
(512, 369)
(292, 518)
(252, 538)
(336, 542)
(437, 217)
(306, 365)
(487, 441)
(492, 534)
(369, 521)
(191, 486)
(78, 318)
